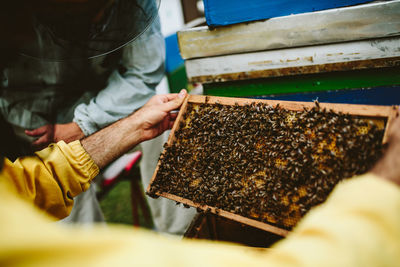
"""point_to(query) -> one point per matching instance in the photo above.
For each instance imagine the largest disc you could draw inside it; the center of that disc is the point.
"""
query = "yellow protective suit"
(359, 225)
(52, 177)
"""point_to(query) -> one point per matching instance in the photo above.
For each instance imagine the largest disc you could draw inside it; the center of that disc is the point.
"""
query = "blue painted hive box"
(222, 12)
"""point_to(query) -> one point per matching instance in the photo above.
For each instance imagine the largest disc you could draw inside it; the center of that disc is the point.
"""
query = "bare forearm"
(148, 122)
(111, 142)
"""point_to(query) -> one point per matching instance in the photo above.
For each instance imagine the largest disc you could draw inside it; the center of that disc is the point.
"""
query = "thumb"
(176, 102)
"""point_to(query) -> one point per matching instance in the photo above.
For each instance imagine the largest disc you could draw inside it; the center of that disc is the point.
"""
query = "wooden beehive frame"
(379, 112)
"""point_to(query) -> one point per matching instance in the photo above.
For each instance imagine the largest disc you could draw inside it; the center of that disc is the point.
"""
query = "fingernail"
(182, 93)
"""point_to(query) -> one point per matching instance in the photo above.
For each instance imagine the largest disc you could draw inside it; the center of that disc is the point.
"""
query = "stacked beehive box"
(353, 47)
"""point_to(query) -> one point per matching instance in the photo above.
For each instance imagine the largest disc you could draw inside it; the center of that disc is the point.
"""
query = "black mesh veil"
(65, 35)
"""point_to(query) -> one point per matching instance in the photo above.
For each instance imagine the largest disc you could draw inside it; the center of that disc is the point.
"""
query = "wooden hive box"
(265, 163)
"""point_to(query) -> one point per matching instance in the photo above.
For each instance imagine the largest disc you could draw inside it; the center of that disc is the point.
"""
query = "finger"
(172, 120)
(173, 115)
(165, 98)
(175, 103)
(165, 124)
(42, 141)
(37, 132)
(394, 128)
(171, 96)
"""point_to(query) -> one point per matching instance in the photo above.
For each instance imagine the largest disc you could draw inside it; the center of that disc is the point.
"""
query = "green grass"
(116, 206)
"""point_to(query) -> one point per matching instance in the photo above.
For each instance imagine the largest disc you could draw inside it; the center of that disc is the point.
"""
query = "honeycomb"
(265, 163)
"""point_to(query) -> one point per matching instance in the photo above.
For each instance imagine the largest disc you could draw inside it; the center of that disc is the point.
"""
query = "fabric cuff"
(86, 127)
(75, 150)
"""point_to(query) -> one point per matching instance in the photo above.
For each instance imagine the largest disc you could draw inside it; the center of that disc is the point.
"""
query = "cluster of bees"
(264, 162)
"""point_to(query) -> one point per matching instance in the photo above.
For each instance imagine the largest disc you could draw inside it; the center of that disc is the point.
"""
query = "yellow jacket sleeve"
(359, 225)
(53, 177)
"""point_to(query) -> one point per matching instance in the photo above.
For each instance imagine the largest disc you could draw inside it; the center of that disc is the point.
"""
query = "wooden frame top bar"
(354, 109)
